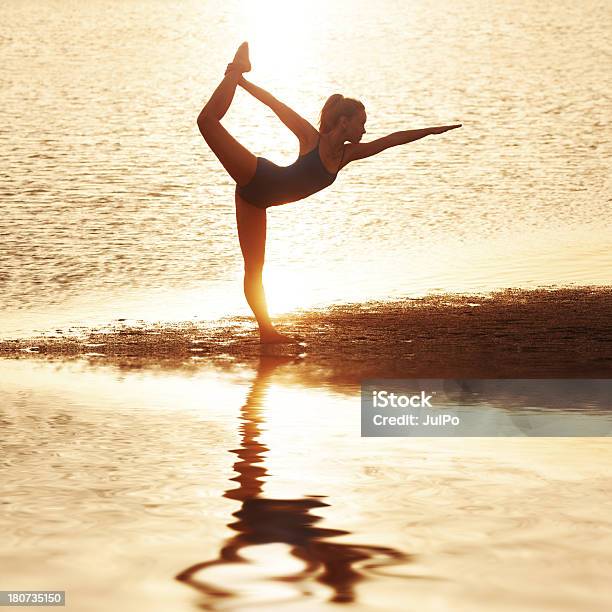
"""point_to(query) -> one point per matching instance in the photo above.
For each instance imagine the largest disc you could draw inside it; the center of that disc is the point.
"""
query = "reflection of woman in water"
(338, 565)
(261, 183)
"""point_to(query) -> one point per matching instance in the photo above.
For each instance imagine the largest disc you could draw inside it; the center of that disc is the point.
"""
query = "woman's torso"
(273, 185)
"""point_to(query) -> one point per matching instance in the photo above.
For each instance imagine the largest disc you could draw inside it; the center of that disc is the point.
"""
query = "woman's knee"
(253, 272)
(205, 122)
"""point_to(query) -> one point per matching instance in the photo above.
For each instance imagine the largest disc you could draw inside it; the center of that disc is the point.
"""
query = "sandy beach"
(558, 333)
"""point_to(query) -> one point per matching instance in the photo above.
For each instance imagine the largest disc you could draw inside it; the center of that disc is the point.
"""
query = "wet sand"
(510, 334)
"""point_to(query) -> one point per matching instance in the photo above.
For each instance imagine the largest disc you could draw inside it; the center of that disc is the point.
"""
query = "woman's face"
(355, 126)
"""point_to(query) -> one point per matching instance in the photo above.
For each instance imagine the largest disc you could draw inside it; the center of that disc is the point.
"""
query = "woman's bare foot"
(241, 61)
(271, 336)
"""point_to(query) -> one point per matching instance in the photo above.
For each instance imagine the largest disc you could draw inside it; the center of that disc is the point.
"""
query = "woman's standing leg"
(251, 223)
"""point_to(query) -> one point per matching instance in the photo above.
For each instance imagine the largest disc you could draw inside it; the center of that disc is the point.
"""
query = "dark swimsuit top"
(273, 185)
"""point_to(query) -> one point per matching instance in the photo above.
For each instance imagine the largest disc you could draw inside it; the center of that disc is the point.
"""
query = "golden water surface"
(112, 205)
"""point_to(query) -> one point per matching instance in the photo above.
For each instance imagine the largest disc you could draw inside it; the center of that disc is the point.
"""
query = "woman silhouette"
(261, 183)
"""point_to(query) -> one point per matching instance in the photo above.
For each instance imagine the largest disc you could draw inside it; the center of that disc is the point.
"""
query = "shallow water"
(111, 205)
(173, 487)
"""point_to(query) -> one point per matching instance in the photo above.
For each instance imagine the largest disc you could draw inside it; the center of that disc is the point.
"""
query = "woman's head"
(345, 113)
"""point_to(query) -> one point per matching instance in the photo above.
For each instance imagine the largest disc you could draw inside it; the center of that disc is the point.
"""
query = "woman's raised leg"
(251, 223)
(236, 159)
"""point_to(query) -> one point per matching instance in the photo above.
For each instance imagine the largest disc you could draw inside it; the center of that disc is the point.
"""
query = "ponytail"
(335, 107)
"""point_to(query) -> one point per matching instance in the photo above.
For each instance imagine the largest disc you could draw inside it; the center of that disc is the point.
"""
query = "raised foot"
(241, 61)
(274, 337)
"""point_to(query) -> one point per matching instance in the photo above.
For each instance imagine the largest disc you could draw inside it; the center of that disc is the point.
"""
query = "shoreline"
(515, 333)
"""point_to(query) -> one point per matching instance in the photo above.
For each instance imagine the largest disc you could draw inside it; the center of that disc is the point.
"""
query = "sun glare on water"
(288, 290)
(281, 34)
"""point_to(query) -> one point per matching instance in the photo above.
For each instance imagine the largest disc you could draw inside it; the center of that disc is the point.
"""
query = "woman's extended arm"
(298, 125)
(360, 150)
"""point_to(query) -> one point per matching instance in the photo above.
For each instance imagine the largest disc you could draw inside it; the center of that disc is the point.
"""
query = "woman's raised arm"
(354, 151)
(305, 132)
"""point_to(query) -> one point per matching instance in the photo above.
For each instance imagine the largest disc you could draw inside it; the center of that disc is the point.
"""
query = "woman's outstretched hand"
(443, 128)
